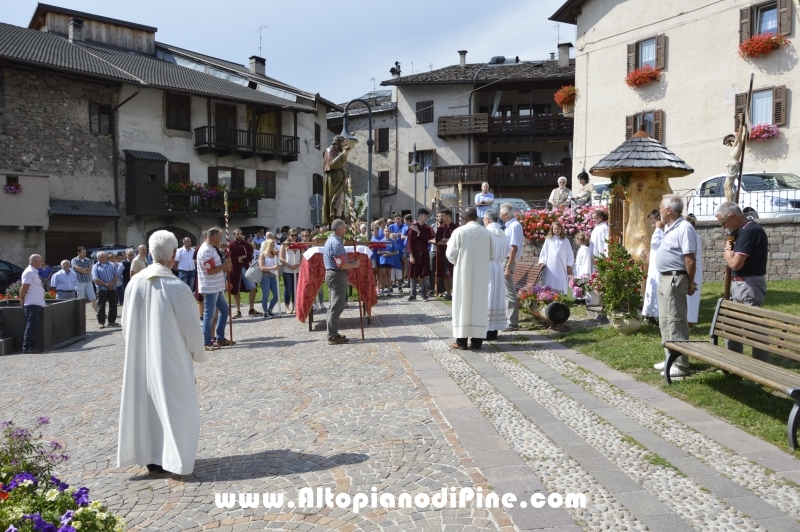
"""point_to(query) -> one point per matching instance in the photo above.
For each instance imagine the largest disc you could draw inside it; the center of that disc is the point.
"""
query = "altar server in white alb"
(650, 307)
(469, 249)
(598, 245)
(583, 262)
(159, 421)
(497, 284)
(558, 259)
(693, 301)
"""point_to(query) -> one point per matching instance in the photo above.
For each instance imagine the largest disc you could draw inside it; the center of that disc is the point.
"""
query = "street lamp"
(352, 141)
(415, 167)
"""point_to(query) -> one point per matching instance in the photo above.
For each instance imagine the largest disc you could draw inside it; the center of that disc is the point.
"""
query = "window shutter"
(213, 176)
(316, 184)
(185, 172)
(631, 57)
(744, 24)
(661, 48)
(174, 172)
(428, 114)
(317, 136)
(410, 158)
(784, 17)
(382, 136)
(383, 180)
(658, 126)
(178, 112)
(629, 125)
(237, 182)
(779, 105)
(270, 186)
(420, 112)
(741, 103)
(433, 159)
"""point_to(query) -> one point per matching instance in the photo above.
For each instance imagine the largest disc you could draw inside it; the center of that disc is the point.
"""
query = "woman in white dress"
(583, 262)
(650, 308)
(497, 284)
(558, 259)
(597, 242)
(693, 300)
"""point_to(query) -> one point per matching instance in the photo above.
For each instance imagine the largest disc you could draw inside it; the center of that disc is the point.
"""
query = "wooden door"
(616, 214)
(225, 120)
(63, 245)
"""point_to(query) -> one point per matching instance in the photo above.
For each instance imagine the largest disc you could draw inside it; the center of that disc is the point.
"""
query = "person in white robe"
(469, 249)
(159, 420)
(598, 245)
(558, 259)
(583, 262)
(693, 301)
(650, 307)
(497, 284)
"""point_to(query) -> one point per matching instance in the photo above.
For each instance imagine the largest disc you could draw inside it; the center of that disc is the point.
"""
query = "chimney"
(563, 53)
(395, 70)
(75, 30)
(258, 65)
(463, 55)
(552, 56)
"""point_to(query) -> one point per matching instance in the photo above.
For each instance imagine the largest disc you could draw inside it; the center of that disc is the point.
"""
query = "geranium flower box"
(760, 45)
(764, 132)
(642, 76)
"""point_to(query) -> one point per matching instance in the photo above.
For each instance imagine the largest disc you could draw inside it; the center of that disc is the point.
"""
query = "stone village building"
(96, 116)
(703, 83)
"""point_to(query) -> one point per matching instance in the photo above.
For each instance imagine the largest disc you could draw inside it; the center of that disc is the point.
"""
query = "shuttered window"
(178, 172)
(100, 119)
(266, 181)
(425, 112)
(213, 176)
(653, 121)
(316, 184)
(383, 180)
(317, 136)
(648, 52)
(178, 112)
(425, 158)
(382, 140)
(766, 17)
(237, 179)
(768, 106)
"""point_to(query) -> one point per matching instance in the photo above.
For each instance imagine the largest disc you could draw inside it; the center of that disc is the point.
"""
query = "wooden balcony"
(539, 176)
(248, 144)
(506, 127)
(195, 204)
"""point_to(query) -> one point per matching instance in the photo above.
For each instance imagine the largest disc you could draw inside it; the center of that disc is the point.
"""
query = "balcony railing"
(505, 126)
(226, 141)
(538, 176)
(198, 204)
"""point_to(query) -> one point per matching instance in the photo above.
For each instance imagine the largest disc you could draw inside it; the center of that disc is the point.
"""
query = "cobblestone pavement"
(403, 412)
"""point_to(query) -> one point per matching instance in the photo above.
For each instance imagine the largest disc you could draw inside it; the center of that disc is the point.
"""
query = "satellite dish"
(315, 201)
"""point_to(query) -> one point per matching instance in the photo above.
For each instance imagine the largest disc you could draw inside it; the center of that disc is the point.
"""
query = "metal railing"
(505, 126)
(762, 203)
(202, 204)
(243, 141)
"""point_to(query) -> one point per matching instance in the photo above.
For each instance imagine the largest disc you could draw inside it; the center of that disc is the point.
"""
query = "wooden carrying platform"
(775, 332)
(527, 273)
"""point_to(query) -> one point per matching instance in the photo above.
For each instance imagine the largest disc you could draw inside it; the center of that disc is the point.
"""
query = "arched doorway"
(179, 232)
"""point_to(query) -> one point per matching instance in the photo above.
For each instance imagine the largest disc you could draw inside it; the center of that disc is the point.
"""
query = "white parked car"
(763, 195)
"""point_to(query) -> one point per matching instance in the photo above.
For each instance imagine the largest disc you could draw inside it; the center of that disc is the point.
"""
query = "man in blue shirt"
(398, 225)
(105, 276)
(483, 200)
(65, 282)
(336, 265)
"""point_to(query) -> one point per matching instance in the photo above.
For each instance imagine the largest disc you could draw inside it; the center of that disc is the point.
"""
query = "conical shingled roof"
(641, 153)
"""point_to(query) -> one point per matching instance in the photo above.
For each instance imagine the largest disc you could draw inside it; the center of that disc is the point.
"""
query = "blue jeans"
(120, 294)
(32, 313)
(188, 277)
(269, 284)
(212, 302)
(288, 288)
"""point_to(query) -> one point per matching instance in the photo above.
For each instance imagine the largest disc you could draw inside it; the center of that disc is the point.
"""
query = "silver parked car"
(763, 195)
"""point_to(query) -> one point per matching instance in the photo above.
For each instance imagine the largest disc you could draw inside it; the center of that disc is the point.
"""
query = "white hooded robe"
(469, 249)
(159, 420)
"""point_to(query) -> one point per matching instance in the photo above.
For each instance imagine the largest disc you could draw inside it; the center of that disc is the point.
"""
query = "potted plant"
(764, 132)
(642, 76)
(565, 98)
(618, 278)
(763, 44)
(13, 188)
(534, 299)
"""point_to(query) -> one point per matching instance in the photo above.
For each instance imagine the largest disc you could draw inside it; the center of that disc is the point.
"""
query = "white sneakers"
(677, 372)
(659, 366)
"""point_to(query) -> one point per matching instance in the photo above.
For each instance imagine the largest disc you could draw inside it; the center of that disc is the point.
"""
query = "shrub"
(618, 278)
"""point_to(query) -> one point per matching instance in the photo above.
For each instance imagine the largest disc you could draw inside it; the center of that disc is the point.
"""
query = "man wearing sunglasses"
(746, 256)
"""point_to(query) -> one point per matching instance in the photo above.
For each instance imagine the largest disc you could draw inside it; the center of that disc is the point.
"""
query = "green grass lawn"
(754, 408)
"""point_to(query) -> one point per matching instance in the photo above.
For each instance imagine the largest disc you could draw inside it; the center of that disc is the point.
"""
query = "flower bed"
(33, 499)
(566, 95)
(764, 131)
(536, 223)
(763, 44)
(534, 297)
(642, 76)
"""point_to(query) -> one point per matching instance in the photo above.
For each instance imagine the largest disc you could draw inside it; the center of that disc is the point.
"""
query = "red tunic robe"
(443, 266)
(418, 248)
(236, 249)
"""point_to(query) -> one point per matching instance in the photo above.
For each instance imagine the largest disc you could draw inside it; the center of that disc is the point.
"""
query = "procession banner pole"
(227, 239)
(729, 236)
(436, 262)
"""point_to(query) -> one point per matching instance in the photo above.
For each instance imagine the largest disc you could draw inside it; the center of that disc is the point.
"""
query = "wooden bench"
(775, 332)
(527, 273)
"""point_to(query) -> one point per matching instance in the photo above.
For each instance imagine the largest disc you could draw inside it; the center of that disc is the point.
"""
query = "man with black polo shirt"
(747, 259)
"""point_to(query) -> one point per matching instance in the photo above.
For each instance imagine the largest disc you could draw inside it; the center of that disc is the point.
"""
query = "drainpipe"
(114, 158)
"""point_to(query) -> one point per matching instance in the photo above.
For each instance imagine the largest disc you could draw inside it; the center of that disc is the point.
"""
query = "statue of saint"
(732, 169)
(333, 193)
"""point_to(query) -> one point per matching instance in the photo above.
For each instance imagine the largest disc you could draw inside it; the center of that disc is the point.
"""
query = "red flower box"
(566, 95)
(763, 44)
(642, 76)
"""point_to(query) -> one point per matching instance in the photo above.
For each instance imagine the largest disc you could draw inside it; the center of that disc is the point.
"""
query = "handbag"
(253, 272)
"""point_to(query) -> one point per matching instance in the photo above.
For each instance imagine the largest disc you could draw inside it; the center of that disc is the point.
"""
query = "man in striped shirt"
(105, 276)
(211, 283)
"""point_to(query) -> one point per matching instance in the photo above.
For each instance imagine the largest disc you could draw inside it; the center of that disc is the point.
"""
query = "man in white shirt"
(514, 234)
(560, 196)
(65, 282)
(483, 200)
(211, 283)
(32, 297)
(184, 261)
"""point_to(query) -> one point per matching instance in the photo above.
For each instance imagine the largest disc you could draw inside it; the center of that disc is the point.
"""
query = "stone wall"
(784, 249)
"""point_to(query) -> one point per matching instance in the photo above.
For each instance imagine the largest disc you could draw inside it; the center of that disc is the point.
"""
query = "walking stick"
(227, 238)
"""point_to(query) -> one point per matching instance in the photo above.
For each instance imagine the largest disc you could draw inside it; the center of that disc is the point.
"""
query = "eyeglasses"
(722, 223)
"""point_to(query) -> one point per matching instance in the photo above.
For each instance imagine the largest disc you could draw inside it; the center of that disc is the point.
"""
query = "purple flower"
(42, 421)
(6, 424)
(20, 478)
(21, 434)
(67, 517)
(66, 528)
(56, 446)
(82, 496)
(12, 528)
(61, 486)
(40, 524)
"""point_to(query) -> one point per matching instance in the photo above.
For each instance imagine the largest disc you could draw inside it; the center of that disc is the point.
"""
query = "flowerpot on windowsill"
(568, 109)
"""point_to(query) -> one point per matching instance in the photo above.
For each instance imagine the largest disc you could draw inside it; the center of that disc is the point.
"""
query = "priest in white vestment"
(497, 283)
(558, 259)
(598, 247)
(469, 249)
(159, 421)
(650, 306)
